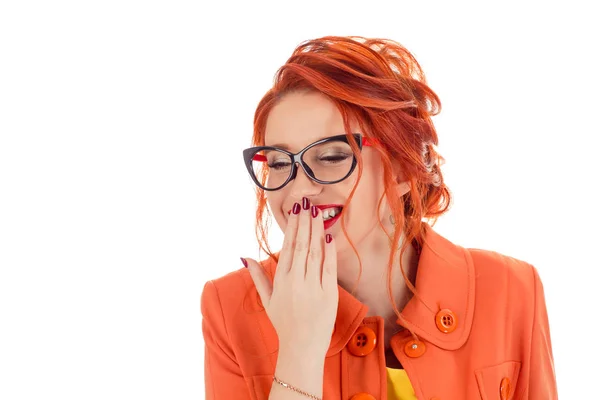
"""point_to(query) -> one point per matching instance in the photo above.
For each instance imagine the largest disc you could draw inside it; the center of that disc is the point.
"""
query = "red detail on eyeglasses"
(368, 142)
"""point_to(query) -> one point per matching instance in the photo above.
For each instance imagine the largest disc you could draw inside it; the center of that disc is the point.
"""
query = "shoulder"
(233, 297)
(489, 263)
(502, 276)
(225, 291)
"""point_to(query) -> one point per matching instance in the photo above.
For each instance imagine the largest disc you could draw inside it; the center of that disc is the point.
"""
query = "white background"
(123, 190)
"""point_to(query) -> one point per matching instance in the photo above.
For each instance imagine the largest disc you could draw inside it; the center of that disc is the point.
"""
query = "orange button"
(505, 389)
(363, 341)
(414, 348)
(362, 396)
(446, 321)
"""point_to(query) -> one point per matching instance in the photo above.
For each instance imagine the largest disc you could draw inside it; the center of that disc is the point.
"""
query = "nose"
(302, 186)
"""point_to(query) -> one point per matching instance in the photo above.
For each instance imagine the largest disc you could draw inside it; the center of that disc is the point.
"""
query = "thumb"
(263, 284)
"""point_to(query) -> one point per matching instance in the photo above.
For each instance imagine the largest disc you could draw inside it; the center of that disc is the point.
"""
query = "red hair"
(380, 85)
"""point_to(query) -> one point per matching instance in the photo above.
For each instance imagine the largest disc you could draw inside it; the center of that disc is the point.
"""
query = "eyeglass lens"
(329, 162)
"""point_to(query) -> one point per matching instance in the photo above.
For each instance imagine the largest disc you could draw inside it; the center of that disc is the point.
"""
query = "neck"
(372, 288)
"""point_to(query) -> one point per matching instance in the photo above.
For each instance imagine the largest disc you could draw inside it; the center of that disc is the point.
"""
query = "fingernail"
(296, 208)
(305, 203)
(328, 238)
(314, 211)
(244, 262)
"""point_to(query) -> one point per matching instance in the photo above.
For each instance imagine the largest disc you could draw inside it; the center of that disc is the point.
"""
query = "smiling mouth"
(331, 213)
(328, 210)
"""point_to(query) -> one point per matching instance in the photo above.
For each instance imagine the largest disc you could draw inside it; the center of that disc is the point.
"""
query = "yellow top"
(399, 387)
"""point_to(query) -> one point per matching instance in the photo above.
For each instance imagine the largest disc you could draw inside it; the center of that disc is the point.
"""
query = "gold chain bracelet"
(288, 386)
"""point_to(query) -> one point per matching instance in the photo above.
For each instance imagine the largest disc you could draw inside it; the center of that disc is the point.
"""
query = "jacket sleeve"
(542, 379)
(223, 377)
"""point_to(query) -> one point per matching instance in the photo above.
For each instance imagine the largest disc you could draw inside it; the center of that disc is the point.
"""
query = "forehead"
(300, 119)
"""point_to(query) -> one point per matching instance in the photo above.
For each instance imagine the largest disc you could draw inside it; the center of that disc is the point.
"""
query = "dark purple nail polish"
(314, 211)
(328, 238)
(305, 203)
(296, 208)
(244, 262)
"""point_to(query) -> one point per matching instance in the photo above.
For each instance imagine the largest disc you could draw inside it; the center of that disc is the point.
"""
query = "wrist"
(303, 356)
(304, 371)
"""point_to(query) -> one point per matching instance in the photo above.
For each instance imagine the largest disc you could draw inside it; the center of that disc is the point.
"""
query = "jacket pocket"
(498, 382)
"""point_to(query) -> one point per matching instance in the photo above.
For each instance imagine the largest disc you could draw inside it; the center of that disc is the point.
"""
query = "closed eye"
(279, 165)
(335, 158)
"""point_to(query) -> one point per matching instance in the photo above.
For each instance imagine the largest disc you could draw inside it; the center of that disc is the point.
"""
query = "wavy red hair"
(381, 86)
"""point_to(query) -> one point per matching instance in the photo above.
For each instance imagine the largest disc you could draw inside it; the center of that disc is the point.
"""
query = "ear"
(402, 185)
(402, 188)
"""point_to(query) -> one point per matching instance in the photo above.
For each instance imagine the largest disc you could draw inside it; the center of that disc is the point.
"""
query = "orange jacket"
(482, 334)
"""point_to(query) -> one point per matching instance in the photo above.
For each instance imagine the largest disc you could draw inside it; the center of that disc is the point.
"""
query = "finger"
(314, 263)
(261, 281)
(329, 279)
(286, 255)
(298, 270)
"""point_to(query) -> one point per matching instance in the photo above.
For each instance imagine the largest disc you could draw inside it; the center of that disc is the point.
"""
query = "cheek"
(275, 203)
(367, 194)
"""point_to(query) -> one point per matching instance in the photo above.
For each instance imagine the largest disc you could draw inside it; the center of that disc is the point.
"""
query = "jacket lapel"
(445, 280)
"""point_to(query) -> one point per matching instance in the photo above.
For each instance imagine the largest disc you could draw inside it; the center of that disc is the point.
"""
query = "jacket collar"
(445, 280)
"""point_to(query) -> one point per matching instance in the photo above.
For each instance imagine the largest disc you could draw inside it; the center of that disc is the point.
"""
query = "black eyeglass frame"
(296, 158)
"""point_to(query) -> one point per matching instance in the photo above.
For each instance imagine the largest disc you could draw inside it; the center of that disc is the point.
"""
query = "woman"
(365, 300)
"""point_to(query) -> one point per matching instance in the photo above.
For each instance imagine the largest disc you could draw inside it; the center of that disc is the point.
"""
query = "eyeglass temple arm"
(262, 158)
(368, 142)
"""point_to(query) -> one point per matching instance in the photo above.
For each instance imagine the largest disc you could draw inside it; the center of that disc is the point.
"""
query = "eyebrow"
(280, 145)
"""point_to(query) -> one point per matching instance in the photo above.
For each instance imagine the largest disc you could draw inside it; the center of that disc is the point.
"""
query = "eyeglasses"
(326, 161)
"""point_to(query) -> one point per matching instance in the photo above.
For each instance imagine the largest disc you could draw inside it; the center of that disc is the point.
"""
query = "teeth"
(330, 213)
